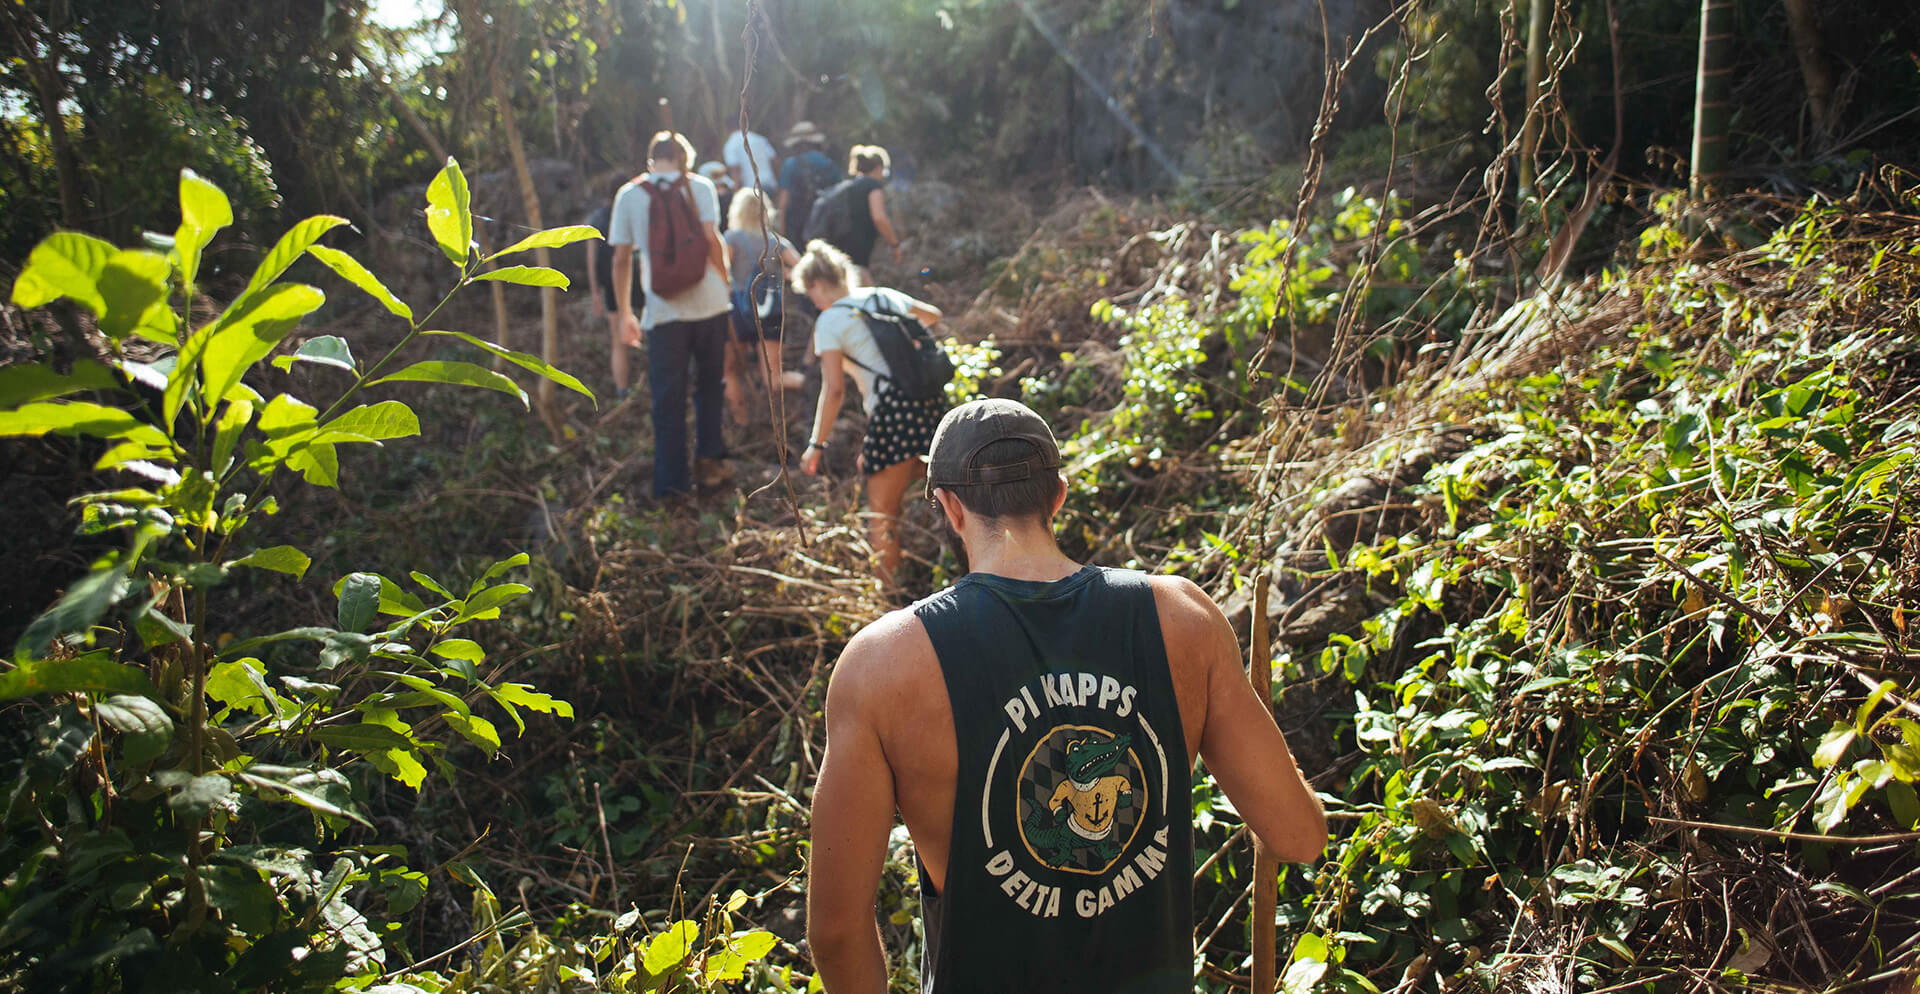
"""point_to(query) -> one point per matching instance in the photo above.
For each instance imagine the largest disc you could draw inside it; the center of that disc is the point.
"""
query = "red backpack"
(676, 244)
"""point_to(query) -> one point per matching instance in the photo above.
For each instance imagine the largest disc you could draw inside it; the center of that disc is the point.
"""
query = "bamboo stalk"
(1266, 866)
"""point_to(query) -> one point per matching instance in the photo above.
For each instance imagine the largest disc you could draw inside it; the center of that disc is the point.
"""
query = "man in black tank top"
(1035, 726)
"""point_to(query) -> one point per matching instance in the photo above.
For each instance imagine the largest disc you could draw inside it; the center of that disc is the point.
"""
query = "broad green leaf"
(324, 791)
(524, 361)
(327, 350)
(499, 568)
(1833, 745)
(466, 649)
(527, 276)
(318, 464)
(359, 600)
(247, 331)
(134, 288)
(199, 795)
(64, 264)
(401, 764)
(387, 419)
(363, 737)
(84, 603)
(742, 950)
(31, 381)
(279, 558)
(476, 729)
(486, 603)
(242, 684)
(394, 599)
(353, 272)
(449, 215)
(233, 422)
(458, 373)
(242, 899)
(550, 238)
(78, 418)
(288, 249)
(531, 699)
(145, 724)
(204, 210)
(670, 948)
(92, 673)
(430, 583)
(240, 338)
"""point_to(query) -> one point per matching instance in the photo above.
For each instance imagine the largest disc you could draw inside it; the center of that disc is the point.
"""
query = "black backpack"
(808, 180)
(917, 366)
(832, 216)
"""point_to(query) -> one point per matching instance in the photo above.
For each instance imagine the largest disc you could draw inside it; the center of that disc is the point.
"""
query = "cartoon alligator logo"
(1080, 814)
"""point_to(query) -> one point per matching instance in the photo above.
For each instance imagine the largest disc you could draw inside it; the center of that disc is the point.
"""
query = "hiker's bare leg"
(735, 376)
(885, 491)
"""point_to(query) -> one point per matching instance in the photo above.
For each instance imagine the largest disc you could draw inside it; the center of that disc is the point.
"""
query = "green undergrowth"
(1639, 708)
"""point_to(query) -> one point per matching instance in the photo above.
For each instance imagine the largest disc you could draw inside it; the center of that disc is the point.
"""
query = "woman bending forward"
(899, 429)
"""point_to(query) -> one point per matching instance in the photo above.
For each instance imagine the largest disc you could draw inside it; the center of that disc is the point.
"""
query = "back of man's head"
(670, 148)
(998, 458)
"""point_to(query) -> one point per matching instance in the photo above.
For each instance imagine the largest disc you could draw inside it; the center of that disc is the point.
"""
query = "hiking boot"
(712, 472)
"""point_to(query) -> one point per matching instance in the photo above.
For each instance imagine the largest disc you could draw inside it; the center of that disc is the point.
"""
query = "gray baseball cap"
(954, 458)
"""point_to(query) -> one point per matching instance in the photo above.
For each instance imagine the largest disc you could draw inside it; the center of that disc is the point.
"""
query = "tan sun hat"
(805, 131)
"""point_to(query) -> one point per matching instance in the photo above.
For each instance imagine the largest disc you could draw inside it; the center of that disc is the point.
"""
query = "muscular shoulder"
(1187, 614)
(884, 661)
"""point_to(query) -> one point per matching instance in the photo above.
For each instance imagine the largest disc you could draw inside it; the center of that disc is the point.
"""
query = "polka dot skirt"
(898, 430)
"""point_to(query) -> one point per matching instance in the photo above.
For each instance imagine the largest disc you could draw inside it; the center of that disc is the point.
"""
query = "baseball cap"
(954, 458)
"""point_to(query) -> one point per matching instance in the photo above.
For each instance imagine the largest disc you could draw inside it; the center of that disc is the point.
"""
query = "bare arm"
(877, 204)
(1242, 746)
(853, 805)
(716, 250)
(593, 277)
(623, 291)
(833, 390)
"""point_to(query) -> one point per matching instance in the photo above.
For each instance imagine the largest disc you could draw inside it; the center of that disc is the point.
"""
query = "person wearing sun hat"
(807, 171)
(1035, 726)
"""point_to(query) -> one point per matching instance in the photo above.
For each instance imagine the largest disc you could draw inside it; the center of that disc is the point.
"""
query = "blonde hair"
(668, 146)
(823, 265)
(753, 209)
(865, 158)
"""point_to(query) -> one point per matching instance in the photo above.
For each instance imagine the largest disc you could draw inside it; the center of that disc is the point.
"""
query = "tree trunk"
(1538, 18)
(49, 90)
(1710, 111)
(1803, 26)
(530, 197)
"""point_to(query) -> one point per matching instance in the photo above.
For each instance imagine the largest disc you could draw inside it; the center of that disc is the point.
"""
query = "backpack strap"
(848, 356)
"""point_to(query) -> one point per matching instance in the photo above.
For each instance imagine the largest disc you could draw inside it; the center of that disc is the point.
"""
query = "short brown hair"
(865, 158)
(671, 146)
(1032, 497)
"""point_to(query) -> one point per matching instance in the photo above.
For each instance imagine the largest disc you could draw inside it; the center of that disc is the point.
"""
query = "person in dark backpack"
(806, 173)
(852, 216)
(671, 216)
(600, 291)
(899, 426)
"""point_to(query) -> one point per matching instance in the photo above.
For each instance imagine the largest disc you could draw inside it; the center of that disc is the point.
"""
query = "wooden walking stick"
(666, 119)
(1266, 867)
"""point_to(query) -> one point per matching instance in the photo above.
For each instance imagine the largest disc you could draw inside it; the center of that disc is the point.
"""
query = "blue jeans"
(670, 347)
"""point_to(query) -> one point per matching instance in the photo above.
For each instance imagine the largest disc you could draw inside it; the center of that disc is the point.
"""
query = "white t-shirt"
(745, 148)
(841, 327)
(704, 299)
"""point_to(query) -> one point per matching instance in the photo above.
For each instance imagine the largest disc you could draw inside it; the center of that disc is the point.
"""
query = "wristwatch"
(811, 444)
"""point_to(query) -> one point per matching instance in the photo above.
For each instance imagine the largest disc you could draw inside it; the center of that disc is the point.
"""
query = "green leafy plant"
(189, 814)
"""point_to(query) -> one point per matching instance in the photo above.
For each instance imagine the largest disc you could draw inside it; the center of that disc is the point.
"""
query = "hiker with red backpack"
(879, 337)
(671, 215)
